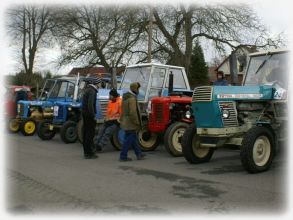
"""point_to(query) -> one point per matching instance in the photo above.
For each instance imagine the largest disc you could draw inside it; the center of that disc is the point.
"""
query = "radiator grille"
(158, 112)
(231, 121)
(104, 105)
(202, 94)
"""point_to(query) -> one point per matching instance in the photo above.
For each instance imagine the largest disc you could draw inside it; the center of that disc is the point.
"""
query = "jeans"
(130, 140)
(105, 134)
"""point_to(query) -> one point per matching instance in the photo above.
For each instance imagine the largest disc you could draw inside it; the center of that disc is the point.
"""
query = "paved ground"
(52, 177)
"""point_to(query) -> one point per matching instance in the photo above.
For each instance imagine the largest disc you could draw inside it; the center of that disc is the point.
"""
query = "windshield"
(178, 80)
(268, 69)
(137, 74)
(63, 89)
(49, 84)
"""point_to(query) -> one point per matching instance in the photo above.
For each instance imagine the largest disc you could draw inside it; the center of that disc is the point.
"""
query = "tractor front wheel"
(28, 127)
(13, 125)
(117, 138)
(173, 138)
(257, 150)
(44, 131)
(191, 149)
(68, 132)
(148, 141)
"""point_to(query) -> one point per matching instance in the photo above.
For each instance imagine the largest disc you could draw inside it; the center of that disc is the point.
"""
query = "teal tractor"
(251, 117)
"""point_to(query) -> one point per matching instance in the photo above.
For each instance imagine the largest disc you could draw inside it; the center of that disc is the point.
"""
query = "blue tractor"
(29, 113)
(251, 117)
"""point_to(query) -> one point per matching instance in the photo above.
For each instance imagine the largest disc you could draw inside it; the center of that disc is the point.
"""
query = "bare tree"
(29, 27)
(225, 26)
(99, 35)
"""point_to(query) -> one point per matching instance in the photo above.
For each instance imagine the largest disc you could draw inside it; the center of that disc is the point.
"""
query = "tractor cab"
(154, 81)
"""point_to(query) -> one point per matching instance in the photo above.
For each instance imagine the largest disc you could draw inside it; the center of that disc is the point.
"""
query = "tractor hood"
(226, 93)
(208, 101)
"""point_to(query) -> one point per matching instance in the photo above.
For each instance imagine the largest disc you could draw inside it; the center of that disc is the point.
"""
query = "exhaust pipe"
(170, 87)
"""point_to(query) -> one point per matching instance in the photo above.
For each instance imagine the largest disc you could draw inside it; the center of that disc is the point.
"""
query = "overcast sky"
(274, 14)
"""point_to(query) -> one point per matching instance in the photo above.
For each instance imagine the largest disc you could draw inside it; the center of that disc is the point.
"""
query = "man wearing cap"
(111, 123)
(131, 122)
(89, 116)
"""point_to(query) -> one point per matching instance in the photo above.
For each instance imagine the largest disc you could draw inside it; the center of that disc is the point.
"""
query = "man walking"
(89, 116)
(131, 122)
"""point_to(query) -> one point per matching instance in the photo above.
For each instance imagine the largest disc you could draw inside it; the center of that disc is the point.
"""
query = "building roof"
(84, 71)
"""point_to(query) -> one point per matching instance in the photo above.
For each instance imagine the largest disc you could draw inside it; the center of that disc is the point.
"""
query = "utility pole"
(150, 30)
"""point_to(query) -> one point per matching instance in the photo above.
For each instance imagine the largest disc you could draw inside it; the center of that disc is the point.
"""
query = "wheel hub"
(261, 150)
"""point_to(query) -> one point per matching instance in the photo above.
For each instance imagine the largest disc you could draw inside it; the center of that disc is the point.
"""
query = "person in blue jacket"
(220, 79)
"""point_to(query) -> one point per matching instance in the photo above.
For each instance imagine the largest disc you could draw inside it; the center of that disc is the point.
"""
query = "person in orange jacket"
(111, 123)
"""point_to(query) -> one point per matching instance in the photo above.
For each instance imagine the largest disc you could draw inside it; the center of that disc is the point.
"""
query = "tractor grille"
(104, 104)
(60, 112)
(202, 94)
(158, 112)
(231, 121)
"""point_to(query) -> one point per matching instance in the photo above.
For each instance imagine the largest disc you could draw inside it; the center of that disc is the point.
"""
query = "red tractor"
(171, 115)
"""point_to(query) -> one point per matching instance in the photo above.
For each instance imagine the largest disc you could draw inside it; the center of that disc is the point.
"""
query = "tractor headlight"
(69, 109)
(225, 113)
(188, 114)
(18, 108)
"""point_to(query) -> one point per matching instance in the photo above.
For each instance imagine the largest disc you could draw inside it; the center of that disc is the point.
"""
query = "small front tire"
(257, 150)
(191, 149)
(68, 132)
(173, 138)
(44, 131)
(28, 127)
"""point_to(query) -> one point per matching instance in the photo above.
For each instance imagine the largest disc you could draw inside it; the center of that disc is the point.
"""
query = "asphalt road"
(50, 177)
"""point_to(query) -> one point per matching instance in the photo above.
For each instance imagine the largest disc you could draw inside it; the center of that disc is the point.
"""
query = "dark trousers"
(130, 140)
(89, 127)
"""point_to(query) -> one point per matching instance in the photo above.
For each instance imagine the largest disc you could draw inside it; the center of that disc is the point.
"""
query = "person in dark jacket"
(89, 116)
(130, 121)
(220, 79)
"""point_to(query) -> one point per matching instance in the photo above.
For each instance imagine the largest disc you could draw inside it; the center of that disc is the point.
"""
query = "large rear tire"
(68, 132)
(44, 131)
(257, 150)
(28, 127)
(148, 141)
(117, 138)
(173, 138)
(191, 149)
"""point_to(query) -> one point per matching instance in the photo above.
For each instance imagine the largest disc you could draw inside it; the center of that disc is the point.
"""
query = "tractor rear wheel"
(68, 132)
(44, 131)
(148, 141)
(28, 127)
(173, 138)
(13, 125)
(257, 150)
(117, 138)
(191, 149)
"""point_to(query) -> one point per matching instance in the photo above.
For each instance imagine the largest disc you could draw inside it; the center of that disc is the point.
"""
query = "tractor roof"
(153, 64)
(266, 52)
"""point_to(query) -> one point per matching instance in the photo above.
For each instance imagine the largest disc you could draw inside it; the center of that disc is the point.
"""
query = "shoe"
(98, 148)
(90, 156)
(141, 157)
(125, 160)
